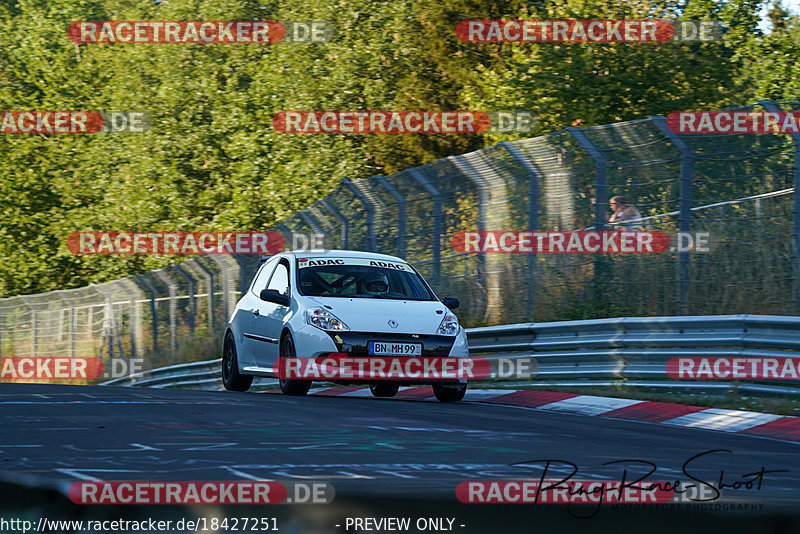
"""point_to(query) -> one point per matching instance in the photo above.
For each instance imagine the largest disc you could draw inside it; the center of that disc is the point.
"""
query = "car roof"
(343, 254)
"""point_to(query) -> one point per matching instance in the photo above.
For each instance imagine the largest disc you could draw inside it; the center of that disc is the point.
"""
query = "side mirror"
(451, 302)
(272, 295)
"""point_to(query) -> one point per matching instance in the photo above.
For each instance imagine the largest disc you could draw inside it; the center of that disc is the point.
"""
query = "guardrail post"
(107, 329)
(33, 326)
(401, 213)
(770, 105)
(600, 165)
(226, 286)
(534, 175)
(685, 216)
(288, 235)
(492, 209)
(316, 211)
(437, 224)
(369, 190)
(116, 325)
(33, 333)
(600, 203)
(369, 240)
(244, 272)
(73, 327)
(209, 276)
(311, 222)
(192, 303)
(173, 309)
(72, 322)
(108, 326)
(344, 241)
(137, 348)
(154, 326)
(89, 321)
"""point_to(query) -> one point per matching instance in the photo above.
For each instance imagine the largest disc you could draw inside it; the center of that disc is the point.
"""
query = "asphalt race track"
(363, 446)
(55, 435)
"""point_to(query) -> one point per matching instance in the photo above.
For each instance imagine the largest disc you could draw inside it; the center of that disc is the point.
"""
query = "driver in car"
(376, 284)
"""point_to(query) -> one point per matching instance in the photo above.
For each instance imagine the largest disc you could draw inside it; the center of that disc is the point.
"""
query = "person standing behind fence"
(624, 210)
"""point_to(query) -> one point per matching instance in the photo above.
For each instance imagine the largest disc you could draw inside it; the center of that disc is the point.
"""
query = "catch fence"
(739, 188)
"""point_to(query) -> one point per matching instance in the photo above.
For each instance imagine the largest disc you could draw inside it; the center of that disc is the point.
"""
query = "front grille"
(356, 342)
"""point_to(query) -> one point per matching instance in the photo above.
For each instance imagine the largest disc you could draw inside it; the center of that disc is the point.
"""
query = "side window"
(263, 275)
(280, 279)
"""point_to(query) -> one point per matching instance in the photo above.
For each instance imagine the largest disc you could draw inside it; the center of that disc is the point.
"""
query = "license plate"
(380, 348)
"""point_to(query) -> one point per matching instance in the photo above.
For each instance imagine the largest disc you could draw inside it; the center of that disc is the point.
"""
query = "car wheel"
(291, 387)
(231, 378)
(384, 389)
(448, 393)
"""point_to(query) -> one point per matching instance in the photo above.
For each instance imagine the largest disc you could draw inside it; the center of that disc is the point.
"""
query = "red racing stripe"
(653, 412)
(336, 391)
(530, 399)
(787, 428)
(415, 393)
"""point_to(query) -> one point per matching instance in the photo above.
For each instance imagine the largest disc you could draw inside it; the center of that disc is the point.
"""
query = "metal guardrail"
(195, 375)
(738, 190)
(628, 351)
(172, 376)
(633, 351)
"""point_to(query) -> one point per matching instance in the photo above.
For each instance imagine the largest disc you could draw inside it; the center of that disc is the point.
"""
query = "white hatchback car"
(307, 305)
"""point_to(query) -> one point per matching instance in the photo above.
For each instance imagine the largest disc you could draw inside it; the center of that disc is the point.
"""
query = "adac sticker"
(321, 262)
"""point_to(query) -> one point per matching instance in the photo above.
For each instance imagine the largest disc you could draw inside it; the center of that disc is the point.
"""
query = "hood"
(373, 315)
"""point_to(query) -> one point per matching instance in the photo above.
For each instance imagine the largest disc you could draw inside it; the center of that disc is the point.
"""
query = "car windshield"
(360, 278)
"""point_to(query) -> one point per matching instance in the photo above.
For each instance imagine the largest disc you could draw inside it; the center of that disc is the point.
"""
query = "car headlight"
(325, 320)
(449, 326)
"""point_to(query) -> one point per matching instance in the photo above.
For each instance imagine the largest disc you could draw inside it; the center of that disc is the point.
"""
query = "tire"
(449, 393)
(291, 387)
(231, 378)
(384, 389)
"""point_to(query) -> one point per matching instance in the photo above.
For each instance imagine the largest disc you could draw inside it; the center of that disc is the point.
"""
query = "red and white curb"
(751, 423)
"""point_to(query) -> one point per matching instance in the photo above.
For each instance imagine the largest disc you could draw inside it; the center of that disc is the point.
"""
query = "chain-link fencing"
(740, 188)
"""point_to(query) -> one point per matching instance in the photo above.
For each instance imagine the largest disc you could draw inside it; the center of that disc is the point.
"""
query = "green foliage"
(573, 84)
(212, 160)
(772, 61)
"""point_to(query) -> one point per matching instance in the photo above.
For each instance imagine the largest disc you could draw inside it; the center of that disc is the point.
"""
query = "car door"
(250, 307)
(268, 322)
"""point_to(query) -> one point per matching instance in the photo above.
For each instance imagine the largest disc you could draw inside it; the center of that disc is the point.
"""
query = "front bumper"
(312, 342)
(356, 343)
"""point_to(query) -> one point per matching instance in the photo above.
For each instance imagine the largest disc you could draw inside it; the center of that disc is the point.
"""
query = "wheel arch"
(286, 330)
